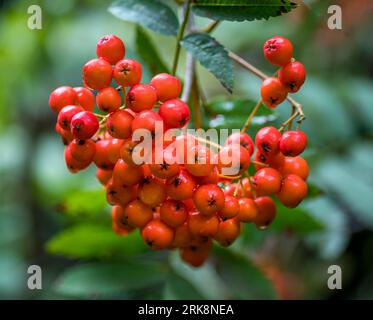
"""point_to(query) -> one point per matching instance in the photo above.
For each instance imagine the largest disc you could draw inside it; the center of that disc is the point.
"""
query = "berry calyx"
(141, 97)
(267, 140)
(66, 114)
(273, 92)
(138, 214)
(173, 213)
(292, 76)
(157, 234)
(110, 48)
(267, 181)
(108, 99)
(278, 50)
(209, 199)
(84, 125)
(243, 139)
(293, 143)
(127, 72)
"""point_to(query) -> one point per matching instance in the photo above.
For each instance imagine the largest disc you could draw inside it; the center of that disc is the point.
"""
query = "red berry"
(267, 181)
(84, 125)
(103, 176)
(119, 124)
(248, 210)
(273, 160)
(194, 255)
(293, 191)
(66, 135)
(110, 48)
(230, 209)
(278, 50)
(166, 85)
(183, 236)
(243, 139)
(173, 212)
(101, 158)
(72, 164)
(85, 98)
(209, 199)
(66, 114)
(292, 76)
(108, 99)
(83, 150)
(293, 143)
(233, 160)
(166, 169)
(295, 165)
(266, 212)
(127, 72)
(119, 195)
(146, 119)
(175, 113)
(138, 214)
(61, 97)
(113, 151)
(152, 192)
(199, 161)
(124, 174)
(126, 151)
(228, 232)
(97, 74)
(267, 140)
(273, 92)
(119, 221)
(212, 178)
(203, 226)
(141, 97)
(157, 234)
(180, 187)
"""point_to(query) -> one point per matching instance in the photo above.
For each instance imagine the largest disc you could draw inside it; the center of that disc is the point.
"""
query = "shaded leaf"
(148, 53)
(107, 279)
(212, 55)
(240, 10)
(152, 14)
(179, 288)
(88, 241)
(245, 280)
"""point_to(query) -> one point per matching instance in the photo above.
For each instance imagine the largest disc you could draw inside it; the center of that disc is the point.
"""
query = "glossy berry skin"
(233, 160)
(126, 151)
(146, 119)
(103, 176)
(84, 125)
(97, 74)
(166, 169)
(248, 210)
(278, 50)
(83, 150)
(228, 232)
(66, 114)
(119, 221)
(273, 160)
(101, 158)
(173, 213)
(243, 139)
(273, 92)
(113, 152)
(138, 214)
(181, 187)
(230, 209)
(195, 256)
(119, 195)
(293, 143)
(293, 191)
(61, 97)
(199, 162)
(152, 192)
(175, 113)
(157, 234)
(119, 124)
(124, 174)
(141, 97)
(209, 199)
(295, 165)
(212, 178)
(183, 236)
(71, 163)
(66, 135)
(167, 86)
(108, 99)
(267, 140)
(292, 76)
(110, 48)
(127, 72)
(85, 98)
(267, 181)
(202, 225)
(266, 212)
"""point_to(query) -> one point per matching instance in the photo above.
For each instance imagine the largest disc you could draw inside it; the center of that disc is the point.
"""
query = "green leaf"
(245, 280)
(152, 14)
(179, 288)
(148, 52)
(240, 10)
(95, 280)
(212, 55)
(84, 203)
(297, 220)
(87, 241)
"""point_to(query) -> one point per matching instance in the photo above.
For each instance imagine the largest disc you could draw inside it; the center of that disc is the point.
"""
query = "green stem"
(179, 37)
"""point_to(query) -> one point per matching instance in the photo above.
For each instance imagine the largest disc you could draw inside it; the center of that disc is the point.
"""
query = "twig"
(189, 75)
(251, 116)
(211, 27)
(196, 105)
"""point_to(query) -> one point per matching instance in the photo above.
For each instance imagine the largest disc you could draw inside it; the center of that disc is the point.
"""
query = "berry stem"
(251, 116)
(258, 163)
(196, 104)
(284, 124)
(263, 76)
(211, 27)
(229, 177)
(179, 37)
(235, 192)
(213, 144)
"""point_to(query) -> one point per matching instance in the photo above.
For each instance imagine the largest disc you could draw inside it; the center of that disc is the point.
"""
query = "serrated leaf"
(88, 241)
(212, 55)
(148, 53)
(152, 14)
(240, 10)
(96, 280)
(245, 280)
(297, 220)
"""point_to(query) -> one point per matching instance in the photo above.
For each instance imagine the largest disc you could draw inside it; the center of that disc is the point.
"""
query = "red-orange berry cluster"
(184, 205)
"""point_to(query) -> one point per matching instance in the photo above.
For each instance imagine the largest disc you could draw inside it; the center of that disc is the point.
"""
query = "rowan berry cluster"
(184, 204)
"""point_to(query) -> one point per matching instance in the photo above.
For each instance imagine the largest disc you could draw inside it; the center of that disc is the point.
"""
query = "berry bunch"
(185, 204)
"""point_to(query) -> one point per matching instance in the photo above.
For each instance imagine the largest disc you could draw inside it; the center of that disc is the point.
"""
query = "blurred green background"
(59, 221)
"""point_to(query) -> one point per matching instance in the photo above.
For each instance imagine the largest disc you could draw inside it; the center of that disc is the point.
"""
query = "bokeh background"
(59, 221)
